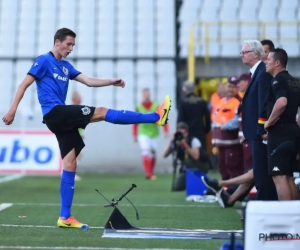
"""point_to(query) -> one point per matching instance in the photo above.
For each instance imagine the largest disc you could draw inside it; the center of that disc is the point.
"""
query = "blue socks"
(129, 117)
(66, 193)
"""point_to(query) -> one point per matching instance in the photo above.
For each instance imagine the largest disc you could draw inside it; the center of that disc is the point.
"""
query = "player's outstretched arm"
(10, 115)
(96, 82)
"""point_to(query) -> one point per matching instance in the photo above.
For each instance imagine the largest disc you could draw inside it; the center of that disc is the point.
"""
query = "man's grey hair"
(257, 47)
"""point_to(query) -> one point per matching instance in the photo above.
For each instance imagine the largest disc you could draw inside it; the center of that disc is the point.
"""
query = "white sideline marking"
(177, 229)
(5, 205)
(199, 205)
(11, 177)
(38, 226)
(82, 248)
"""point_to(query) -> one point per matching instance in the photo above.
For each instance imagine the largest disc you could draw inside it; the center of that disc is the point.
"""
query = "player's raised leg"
(160, 116)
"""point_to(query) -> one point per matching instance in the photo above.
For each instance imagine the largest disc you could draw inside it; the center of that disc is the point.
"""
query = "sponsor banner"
(33, 152)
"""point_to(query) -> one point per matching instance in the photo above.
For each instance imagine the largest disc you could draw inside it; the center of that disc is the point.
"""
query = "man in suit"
(254, 115)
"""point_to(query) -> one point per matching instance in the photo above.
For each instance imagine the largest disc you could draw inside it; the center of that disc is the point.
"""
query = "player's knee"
(100, 113)
(70, 165)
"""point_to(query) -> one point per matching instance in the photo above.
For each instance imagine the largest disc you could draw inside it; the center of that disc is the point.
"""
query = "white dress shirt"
(254, 67)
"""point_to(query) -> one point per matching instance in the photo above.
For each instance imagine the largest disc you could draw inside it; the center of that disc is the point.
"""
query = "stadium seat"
(8, 27)
(105, 96)
(229, 32)
(165, 86)
(46, 26)
(105, 45)
(87, 94)
(21, 68)
(165, 67)
(268, 10)
(6, 86)
(165, 29)
(248, 10)
(209, 11)
(145, 72)
(166, 79)
(250, 32)
(86, 18)
(230, 49)
(68, 20)
(287, 13)
(124, 97)
(291, 47)
(145, 45)
(189, 11)
(212, 49)
(272, 33)
(27, 17)
(229, 11)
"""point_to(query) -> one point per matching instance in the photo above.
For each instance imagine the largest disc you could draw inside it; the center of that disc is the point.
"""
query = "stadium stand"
(136, 39)
(219, 26)
(132, 39)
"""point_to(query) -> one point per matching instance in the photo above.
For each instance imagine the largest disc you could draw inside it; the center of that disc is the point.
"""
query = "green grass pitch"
(37, 198)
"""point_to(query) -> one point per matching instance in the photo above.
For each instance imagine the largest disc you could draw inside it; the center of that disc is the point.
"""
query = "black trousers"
(264, 183)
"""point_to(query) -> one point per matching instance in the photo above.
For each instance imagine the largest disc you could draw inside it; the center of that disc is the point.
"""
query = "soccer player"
(51, 74)
(147, 134)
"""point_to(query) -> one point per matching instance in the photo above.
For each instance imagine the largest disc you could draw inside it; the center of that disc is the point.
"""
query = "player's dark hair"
(280, 55)
(62, 33)
(269, 43)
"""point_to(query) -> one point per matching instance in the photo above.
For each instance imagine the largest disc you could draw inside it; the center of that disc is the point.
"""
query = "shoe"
(163, 111)
(77, 178)
(223, 198)
(71, 222)
(211, 184)
(152, 177)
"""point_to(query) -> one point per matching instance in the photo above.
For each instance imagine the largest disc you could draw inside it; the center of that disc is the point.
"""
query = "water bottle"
(238, 246)
(226, 246)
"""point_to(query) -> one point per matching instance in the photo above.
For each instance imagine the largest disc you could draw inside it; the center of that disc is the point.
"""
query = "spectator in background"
(268, 46)
(254, 115)
(187, 153)
(225, 133)
(76, 100)
(193, 110)
(243, 83)
(147, 134)
(216, 98)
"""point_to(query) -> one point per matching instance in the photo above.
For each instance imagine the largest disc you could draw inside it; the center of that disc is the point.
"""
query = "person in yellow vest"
(147, 134)
(225, 133)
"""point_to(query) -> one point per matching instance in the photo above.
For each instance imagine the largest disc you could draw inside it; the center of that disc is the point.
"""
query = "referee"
(282, 128)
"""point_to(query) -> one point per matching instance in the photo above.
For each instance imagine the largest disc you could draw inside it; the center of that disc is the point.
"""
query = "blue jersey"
(52, 80)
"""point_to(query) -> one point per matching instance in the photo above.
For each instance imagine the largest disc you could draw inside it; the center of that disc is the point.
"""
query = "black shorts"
(283, 147)
(64, 121)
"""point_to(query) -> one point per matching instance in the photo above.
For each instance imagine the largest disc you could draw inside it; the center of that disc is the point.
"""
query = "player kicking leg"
(52, 75)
